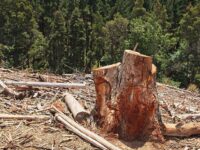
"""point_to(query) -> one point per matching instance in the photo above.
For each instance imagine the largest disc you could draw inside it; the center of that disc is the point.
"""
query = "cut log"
(79, 113)
(47, 84)
(24, 117)
(127, 97)
(84, 131)
(182, 130)
(11, 92)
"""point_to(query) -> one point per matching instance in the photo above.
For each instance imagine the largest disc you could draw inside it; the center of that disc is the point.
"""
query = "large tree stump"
(127, 97)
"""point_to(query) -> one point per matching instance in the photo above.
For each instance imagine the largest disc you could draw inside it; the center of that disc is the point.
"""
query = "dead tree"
(126, 97)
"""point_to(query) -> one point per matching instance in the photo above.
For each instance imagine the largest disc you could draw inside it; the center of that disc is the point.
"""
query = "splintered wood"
(126, 97)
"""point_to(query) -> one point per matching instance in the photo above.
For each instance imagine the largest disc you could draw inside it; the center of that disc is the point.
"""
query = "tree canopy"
(78, 35)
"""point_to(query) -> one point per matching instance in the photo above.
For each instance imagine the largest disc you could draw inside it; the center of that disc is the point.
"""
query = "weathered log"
(24, 117)
(79, 113)
(181, 129)
(10, 92)
(127, 97)
(83, 130)
(79, 133)
(47, 84)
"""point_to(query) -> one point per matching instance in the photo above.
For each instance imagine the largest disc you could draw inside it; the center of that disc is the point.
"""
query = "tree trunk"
(127, 97)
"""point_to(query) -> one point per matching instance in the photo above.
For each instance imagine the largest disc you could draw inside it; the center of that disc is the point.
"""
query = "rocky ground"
(51, 134)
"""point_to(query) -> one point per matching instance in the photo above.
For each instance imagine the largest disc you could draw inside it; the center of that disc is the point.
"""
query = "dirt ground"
(51, 134)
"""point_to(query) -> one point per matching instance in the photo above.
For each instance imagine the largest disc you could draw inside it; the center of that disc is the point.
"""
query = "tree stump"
(127, 97)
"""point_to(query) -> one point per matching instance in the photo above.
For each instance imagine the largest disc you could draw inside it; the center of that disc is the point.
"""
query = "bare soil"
(51, 134)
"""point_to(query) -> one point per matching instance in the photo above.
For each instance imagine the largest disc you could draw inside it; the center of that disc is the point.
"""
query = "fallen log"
(79, 113)
(24, 117)
(182, 130)
(47, 84)
(126, 100)
(10, 92)
(88, 133)
(76, 131)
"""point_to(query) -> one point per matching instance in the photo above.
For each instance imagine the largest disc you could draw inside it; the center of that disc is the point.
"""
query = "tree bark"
(127, 97)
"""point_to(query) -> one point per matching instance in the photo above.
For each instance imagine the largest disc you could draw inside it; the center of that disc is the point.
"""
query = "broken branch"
(76, 131)
(47, 84)
(10, 92)
(88, 133)
(24, 117)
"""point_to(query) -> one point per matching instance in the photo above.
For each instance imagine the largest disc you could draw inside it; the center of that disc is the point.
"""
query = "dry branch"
(79, 113)
(188, 116)
(24, 117)
(6, 70)
(47, 84)
(10, 92)
(79, 133)
(182, 130)
(60, 116)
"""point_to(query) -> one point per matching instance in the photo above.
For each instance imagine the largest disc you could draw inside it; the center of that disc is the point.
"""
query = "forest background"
(62, 36)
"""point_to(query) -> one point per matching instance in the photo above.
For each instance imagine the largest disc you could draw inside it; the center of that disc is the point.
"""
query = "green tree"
(152, 40)
(161, 14)
(37, 52)
(190, 32)
(57, 43)
(116, 32)
(18, 30)
(76, 40)
(97, 41)
(138, 9)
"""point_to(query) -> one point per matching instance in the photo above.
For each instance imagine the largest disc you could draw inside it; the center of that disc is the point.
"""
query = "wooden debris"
(24, 117)
(59, 105)
(88, 135)
(47, 84)
(79, 113)
(181, 129)
(177, 89)
(6, 70)
(25, 88)
(127, 97)
(10, 92)
(188, 116)
(76, 131)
